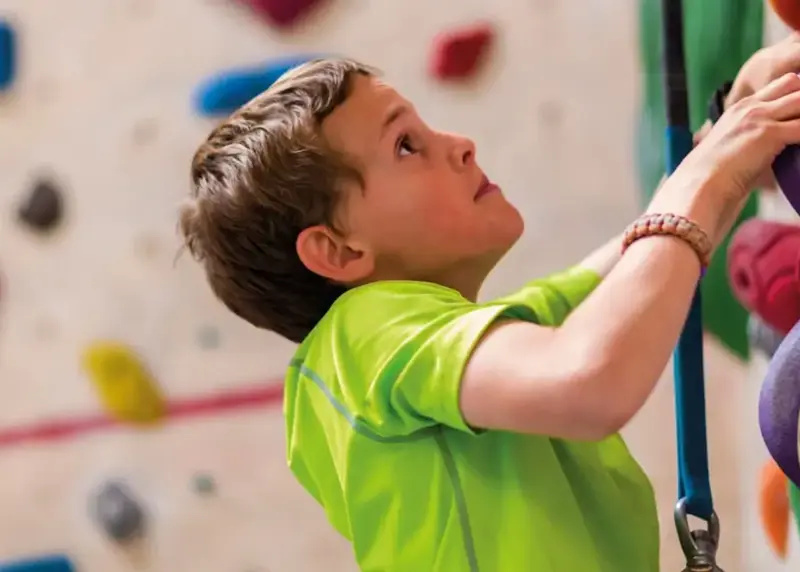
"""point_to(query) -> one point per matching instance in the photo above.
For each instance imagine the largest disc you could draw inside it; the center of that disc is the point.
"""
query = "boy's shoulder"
(389, 356)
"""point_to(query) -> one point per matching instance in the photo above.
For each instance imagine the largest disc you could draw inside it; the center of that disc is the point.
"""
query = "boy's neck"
(466, 281)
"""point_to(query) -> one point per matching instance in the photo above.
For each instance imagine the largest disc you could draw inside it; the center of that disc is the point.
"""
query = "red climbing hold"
(282, 13)
(764, 271)
(459, 53)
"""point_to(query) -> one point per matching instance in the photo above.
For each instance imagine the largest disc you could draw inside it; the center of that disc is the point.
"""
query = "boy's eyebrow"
(394, 114)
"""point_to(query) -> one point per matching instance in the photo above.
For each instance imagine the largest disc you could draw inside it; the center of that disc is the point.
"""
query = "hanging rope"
(694, 489)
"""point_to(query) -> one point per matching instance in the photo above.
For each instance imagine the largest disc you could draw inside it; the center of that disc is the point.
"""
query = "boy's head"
(330, 180)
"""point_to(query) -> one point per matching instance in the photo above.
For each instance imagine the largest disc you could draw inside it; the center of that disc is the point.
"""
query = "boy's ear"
(328, 254)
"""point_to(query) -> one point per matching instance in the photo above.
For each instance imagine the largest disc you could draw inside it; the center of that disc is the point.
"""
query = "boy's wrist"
(698, 198)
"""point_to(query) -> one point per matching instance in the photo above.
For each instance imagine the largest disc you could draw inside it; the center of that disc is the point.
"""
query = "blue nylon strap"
(690, 401)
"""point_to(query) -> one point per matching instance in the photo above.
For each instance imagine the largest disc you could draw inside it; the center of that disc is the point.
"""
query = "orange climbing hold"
(459, 53)
(773, 506)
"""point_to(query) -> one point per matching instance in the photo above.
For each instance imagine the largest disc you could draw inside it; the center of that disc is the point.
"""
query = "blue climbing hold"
(51, 563)
(227, 91)
(8, 55)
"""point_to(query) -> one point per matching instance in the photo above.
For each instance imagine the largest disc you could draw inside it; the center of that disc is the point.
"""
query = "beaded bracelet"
(670, 225)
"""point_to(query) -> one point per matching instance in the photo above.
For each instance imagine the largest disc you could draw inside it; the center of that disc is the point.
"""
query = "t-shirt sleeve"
(553, 298)
(398, 352)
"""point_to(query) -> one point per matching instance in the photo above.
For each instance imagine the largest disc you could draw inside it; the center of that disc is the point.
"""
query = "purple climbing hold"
(787, 172)
(779, 406)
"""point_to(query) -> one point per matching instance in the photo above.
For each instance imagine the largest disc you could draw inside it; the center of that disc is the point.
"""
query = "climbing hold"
(786, 168)
(282, 13)
(43, 207)
(763, 337)
(116, 510)
(788, 11)
(204, 484)
(208, 337)
(144, 132)
(8, 55)
(763, 271)
(49, 563)
(225, 92)
(773, 504)
(779, 406)
(123, 383)
(459, 53)
(794, 503)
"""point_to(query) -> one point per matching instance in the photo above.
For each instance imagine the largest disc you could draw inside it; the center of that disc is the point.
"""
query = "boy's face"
(427, 210)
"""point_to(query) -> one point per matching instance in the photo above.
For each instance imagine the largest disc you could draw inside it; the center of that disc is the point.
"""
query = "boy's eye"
(404, 146)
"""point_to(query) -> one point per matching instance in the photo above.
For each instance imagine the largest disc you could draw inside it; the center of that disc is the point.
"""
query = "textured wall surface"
(102, 103)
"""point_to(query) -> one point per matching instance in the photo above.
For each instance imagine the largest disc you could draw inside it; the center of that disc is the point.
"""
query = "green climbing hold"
(794, 502)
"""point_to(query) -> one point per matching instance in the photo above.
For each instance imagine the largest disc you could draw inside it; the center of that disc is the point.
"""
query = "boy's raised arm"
(588, 377)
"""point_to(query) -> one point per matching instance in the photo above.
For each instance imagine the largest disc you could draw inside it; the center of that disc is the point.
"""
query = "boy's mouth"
(485, 188)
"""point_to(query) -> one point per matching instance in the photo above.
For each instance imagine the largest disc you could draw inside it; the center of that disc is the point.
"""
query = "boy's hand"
(728, 163)
(766, 65)
(762, 68)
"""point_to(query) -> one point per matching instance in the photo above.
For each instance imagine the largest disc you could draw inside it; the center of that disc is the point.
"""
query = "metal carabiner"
(699, 546)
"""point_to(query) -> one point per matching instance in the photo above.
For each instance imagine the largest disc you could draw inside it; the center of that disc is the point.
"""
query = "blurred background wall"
(102, 108)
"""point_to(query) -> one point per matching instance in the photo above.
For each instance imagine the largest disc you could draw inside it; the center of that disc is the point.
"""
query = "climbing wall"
(96, 135)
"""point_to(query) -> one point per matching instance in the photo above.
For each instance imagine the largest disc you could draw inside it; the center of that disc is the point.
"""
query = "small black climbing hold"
(43, 208)
(116, 510)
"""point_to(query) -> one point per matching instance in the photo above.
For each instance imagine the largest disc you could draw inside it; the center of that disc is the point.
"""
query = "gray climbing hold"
(204, 484)
(116, 510)
(208, 337)
(763, 337)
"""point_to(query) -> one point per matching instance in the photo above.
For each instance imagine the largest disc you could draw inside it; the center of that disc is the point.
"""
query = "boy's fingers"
(786, 108)
(778, 88)
(789, 132)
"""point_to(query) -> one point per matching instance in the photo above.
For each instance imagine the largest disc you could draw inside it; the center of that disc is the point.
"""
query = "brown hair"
(258, 180)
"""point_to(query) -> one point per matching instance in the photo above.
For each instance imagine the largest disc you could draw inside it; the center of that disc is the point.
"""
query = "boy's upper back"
(375, 434)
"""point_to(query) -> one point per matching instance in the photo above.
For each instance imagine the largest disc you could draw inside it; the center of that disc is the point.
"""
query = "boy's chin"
(512, 229)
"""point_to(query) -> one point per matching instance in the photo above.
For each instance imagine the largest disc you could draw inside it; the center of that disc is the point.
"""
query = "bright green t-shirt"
(375, 434)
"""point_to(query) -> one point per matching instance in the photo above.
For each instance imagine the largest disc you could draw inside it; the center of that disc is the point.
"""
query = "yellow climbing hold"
(126, 389)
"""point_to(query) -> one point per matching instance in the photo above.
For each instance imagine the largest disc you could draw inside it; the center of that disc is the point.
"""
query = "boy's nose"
(764, 271)
(462, 151)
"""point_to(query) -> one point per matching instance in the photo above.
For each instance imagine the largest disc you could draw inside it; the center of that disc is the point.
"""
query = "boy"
(438, 433)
